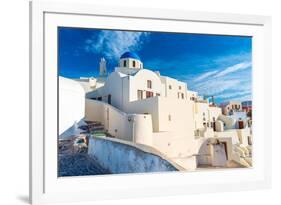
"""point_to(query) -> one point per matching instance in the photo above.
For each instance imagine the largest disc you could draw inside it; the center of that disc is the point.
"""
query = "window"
(140, 95)
(249, 140)
(178, 95)
(149, 84)
(169, 117)
(179, 87)
(149, 94)
(100, 98)
(157, 94)
(124, 63)
(170, 87)
(182, 96)
(109, 99)
(134, 63)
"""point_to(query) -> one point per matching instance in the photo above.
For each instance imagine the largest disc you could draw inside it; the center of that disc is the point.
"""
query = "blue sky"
(209, 64)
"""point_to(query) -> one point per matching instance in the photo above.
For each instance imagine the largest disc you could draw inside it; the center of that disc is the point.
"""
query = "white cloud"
(234, 94)
(232, 82)
(113, 43)
(243, 98)
(226, 84)
(205, 75)
(239, 57)
(215, 87)
(234, 68)
(225, 88)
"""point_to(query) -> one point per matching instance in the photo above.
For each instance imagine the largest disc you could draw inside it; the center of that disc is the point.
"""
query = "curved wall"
(71, 103)
(142, 129)
(120, 157)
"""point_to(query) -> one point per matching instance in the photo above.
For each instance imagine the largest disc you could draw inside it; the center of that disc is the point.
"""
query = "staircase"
(92, 126)
(242, 155)
(73, 160)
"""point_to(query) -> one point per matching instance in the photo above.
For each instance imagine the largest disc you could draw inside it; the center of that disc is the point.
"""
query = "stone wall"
(123, 157)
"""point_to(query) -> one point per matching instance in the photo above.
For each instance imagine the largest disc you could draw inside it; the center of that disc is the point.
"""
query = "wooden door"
(240, 124)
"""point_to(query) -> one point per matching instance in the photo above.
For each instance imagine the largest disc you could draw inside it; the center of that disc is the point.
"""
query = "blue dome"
(130, 55)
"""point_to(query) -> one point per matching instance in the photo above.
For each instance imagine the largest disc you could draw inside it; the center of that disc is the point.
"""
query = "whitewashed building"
(142, 106)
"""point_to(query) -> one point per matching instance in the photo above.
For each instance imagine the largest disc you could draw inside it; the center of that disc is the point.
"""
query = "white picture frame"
(46, 187)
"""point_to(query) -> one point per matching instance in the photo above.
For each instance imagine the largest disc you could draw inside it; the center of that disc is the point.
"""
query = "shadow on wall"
(73, 130)
(130, 127)
(119, 158)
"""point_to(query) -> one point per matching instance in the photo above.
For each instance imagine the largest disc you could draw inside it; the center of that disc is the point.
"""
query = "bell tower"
(103, 72)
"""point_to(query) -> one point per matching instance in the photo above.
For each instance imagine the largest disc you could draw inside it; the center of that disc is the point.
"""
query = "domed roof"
(130, 55)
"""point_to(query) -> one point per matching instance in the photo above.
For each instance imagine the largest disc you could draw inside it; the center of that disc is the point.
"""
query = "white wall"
(173, 87)
(149, 105)
(201, 114)
(142, 129)
(173, 127)
(191, 94)
(71, 103)
(168, 114)
(174, 135)
(205, 114)
(177, 147)
(243, 135)
(214, 112)
(229, 122)
(115, 121)
(176, 115)
(139, 82)
(131, 127)
(113, 86)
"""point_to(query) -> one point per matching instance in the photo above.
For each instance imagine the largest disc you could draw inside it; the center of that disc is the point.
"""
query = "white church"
(141, 106)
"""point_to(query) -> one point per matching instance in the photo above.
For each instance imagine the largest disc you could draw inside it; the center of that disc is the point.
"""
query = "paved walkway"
(79, 165)
(76, 162)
